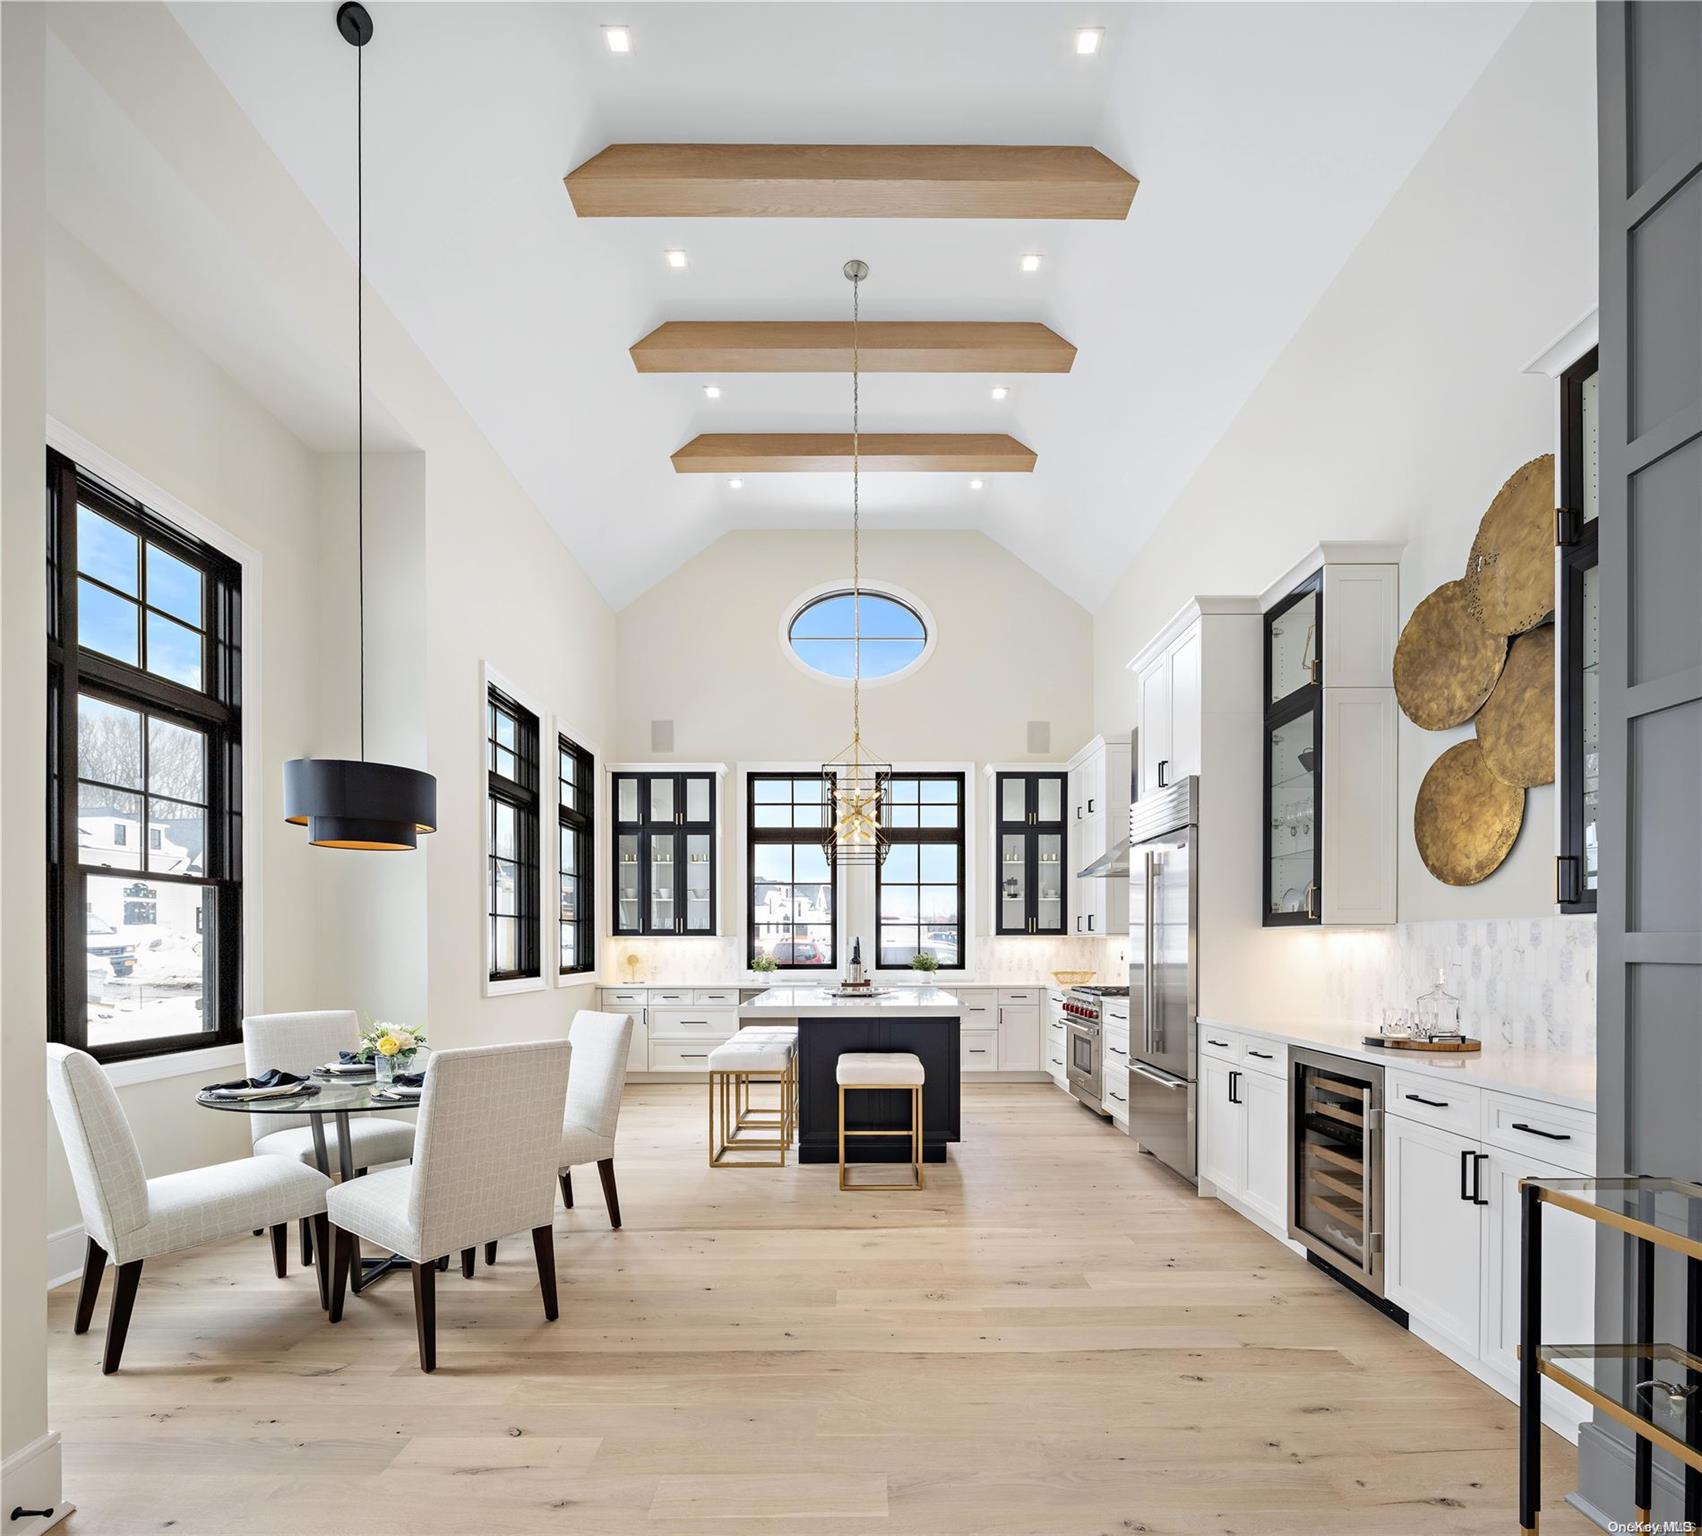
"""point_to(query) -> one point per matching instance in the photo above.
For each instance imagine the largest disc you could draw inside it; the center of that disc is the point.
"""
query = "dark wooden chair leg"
(118, 1319)
(259, 1231)
(94, 1266)
(425, 1313)
(567, 1188)
(443, 1265)
(360, 1173)
(281, 1249)
(543, 1245)
(490, 1254)
(306, 1241)
(343, 1254)
(467, 1263)
(606, 1168)
(320, 1226)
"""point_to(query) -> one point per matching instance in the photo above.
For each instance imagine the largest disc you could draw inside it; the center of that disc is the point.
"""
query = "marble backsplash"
(1528, 983)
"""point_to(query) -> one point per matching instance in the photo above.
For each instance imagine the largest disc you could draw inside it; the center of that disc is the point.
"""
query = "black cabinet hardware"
(1419, 1098)
(1163, 763)
(1220, 1044)
(1531, 1130)
(1262, 1055)
(1234, 1082)
(1478, 1160)
(1466, 1166)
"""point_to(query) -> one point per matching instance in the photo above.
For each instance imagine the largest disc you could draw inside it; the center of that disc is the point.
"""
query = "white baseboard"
(30, 1479)
(65, 1249)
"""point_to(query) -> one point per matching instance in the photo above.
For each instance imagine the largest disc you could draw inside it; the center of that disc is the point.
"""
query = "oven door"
(1083, 1052)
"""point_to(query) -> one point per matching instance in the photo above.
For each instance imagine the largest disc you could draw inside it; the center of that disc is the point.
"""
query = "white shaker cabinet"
(1019, 1031)
(1098, 815)
(1433, 1249)
(1242, 1100)
(1168, 690)
(1265, 1189)
(1222, 1128)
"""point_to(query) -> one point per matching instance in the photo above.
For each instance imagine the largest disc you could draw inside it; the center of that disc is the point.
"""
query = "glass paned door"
(662, 876)
(699, 914)
(1033, 854)
(1049, 882)
(1013, 882)
(1292, 752)
(1333, 1170)
(664, 853)
(1293, 659)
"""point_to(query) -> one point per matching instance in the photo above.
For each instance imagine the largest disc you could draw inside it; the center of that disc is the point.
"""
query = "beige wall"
(1401, 405)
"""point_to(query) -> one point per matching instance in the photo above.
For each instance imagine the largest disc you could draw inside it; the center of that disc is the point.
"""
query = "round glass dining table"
(339, 1099)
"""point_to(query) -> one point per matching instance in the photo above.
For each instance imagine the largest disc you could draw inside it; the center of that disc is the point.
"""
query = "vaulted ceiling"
(1266, 138)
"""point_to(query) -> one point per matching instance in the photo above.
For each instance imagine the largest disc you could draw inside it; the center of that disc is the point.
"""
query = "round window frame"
(793, 610)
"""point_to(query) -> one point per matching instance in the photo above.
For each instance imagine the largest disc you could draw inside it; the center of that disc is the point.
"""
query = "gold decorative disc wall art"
(1466, 820)
(1446, 663)
(1516, 727)
(1510, 573)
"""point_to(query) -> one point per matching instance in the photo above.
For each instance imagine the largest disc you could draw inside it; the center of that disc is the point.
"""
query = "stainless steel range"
(1086, 1045)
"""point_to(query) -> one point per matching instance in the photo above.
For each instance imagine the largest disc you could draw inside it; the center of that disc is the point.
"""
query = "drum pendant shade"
(349, 804)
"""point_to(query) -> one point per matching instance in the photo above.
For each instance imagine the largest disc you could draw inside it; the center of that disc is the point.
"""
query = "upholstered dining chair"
(600, 1043)
(299, 1042)
(129, 1217)
(484, 1155)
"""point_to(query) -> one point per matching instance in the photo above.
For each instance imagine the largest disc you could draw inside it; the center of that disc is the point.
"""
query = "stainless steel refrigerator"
(1164, 980)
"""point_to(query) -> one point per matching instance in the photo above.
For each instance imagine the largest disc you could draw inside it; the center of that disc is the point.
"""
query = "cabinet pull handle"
(1478, 1160)
(1118, 1097)
(1115, 1052)
(1465, 1176)
(1090, 805)
(693, 1055)
(1234, 1077)
(1311, 900)
(1222, 1045)
(1090, 917)
(1433, 1103)
(1531, 1130)
(1163, 763)
(1262, 1055)
(1078, 813)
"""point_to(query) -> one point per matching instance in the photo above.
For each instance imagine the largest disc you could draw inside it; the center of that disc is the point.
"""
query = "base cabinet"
(1243, 1131)
(1222, 1127)
(1433, 1249)
(1265, 1111)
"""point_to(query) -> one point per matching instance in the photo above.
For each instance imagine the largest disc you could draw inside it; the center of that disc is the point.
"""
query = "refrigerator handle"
(1148, 1047)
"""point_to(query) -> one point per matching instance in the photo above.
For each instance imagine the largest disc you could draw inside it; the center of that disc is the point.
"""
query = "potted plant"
(765, 965)
(391, 1048)
(925, 964)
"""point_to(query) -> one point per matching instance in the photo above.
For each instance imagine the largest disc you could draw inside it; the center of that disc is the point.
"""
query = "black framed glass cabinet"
(1293, 756)
(1575, 533)
(664, 848)
(1033, 859)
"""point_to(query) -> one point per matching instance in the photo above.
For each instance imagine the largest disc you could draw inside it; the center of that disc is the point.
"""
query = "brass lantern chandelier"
(854, 782)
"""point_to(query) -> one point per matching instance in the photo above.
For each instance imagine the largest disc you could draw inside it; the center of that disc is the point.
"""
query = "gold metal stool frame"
(914, 1128)
(731, 1087)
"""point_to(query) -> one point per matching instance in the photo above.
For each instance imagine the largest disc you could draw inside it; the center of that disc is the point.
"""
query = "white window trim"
(741, 930)
(599, 907)
(490, 678)
(877, 588)
(156, 498)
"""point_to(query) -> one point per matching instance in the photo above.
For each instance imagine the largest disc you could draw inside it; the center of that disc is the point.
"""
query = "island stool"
(882, 1071)
(745, 1113)
(733, 1066)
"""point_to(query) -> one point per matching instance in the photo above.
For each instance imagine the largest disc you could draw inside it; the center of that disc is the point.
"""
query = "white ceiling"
(1267, 137)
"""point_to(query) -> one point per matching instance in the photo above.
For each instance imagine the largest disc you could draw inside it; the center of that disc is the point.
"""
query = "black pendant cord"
(360, 375)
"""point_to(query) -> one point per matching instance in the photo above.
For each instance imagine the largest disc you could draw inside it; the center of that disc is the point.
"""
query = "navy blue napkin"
(273, 1077)
(409, 1080)
(352, 1058)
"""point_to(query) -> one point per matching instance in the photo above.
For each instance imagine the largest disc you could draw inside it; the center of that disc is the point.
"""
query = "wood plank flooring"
(1054, 1337)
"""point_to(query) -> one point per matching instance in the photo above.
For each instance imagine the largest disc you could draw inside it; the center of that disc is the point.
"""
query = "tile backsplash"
(1528, 983)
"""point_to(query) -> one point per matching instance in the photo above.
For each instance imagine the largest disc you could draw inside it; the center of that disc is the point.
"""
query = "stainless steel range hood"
(1113, 864)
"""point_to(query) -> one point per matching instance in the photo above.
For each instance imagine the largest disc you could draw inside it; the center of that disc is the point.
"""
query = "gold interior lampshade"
(853, 789)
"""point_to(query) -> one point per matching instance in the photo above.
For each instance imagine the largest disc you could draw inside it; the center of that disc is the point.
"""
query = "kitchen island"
(922, 1020)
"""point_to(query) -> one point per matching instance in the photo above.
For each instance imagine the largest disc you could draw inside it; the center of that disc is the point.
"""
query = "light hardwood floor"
(1054, 1337)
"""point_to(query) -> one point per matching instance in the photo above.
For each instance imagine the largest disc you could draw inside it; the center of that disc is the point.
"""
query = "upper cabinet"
(1168, 689)
(1033, 852)
(665, 842)
(1099, 784)
(1330, 734)
(1579, 641)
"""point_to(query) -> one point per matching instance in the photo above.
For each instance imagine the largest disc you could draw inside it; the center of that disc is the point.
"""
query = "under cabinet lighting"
(1088, 39)
(1000, 391)
(619, 39)
(711, 391)
(735, 485)
(1030, 262)
(976, 485)
(675, 258)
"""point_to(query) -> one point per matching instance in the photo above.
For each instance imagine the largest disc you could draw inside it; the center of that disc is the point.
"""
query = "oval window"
(894, 637)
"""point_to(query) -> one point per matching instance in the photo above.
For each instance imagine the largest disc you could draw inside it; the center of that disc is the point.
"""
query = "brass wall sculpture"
(1454, 662)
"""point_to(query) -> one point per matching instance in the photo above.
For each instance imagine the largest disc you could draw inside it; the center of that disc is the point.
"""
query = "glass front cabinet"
(1576, 532)
(664, 853)
(1293, 757)
(1033, 866)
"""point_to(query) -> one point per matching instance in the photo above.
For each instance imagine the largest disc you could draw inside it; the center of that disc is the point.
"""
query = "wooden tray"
(1424, 1045)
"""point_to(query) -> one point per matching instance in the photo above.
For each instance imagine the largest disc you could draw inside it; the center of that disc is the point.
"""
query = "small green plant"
(765, 965)
(924, 962)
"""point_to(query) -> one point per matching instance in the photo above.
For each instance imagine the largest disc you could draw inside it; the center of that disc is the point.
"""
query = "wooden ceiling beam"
(755, 453)
(824, 346)
(850, 181)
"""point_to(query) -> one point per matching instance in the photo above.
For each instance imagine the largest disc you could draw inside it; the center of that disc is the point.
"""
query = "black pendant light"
(344, 803)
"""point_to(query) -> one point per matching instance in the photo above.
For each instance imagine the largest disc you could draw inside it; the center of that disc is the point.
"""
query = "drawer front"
(1114, 1098)
(680, 1055)
(1555, 1133)
(624, 997)
(980, 1050)
(1261, 1055)
(716, 997)
(672, 997)
(1019, 997)
(1117, 1013)
(1116, 1060)
(1455, 1107)
(980, 1006)
(692, 1023)
(1222, 1043)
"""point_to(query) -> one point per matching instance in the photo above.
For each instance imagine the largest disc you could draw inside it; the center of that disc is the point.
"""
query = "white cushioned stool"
(865, 1070)
(733, 1066)
(744, 1112)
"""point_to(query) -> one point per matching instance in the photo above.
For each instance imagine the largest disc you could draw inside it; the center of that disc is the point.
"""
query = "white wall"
(1401, 406)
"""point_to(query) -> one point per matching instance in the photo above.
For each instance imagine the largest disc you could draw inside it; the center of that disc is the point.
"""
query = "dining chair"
(484, 1152)
(300, 1042)
(129, 1217)
(600, 1044)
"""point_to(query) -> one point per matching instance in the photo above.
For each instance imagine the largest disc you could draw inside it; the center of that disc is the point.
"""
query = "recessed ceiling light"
(620, 40)
(712, 391)
(1000, 391)
(1088, 39)
(975, 485)
(678, 258)
(1030, 262)
(735, 485)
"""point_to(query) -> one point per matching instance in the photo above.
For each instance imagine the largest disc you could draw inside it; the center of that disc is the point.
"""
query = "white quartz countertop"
(806, 1002)
(1544, 1075)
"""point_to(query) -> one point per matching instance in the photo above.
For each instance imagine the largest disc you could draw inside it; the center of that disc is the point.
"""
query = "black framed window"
(145, 777)
(511, 907)
(576, 801)
(791, 886)
(1576, 531)
(919, 886)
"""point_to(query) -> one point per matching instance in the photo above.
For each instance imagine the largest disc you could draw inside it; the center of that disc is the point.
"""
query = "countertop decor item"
(765, 965)
(924, 964)
(1516, 726)
(1389, 1042)
(391, 1048)
(1068, 979)
(344, 802)
(1446, 662)
(1466, 820)
(1510, 572)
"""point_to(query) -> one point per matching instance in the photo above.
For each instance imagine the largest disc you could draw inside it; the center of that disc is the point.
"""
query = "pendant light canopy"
(343, 802)
(854, 782)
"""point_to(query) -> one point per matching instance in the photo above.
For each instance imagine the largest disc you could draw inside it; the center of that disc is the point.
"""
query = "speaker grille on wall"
(1039, 735)
(661, 735)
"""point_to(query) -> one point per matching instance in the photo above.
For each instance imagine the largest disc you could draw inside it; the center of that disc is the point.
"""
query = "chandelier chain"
(360, 373)
(856, 518)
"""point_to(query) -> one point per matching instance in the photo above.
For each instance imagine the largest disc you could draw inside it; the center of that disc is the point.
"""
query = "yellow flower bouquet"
(390, 1047)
